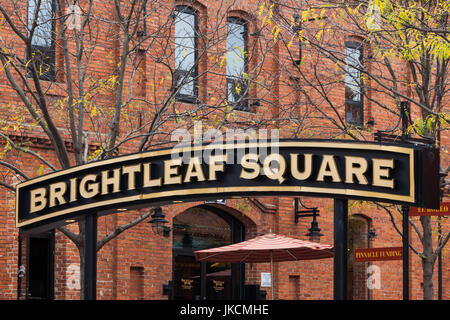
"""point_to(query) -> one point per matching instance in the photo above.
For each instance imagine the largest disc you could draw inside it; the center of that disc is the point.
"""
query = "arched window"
(201, 228)
(353, 83)
(185, 52)
(237, 63)
(358, 237)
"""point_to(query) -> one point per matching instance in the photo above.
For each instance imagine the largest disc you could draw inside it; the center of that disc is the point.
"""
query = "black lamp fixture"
(371, 234)
(158, 222)
(314, 232)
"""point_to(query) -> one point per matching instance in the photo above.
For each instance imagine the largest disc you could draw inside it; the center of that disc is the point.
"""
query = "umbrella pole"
(271, 272)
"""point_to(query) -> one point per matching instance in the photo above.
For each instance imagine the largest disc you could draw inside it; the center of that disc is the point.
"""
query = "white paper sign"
(266, 279)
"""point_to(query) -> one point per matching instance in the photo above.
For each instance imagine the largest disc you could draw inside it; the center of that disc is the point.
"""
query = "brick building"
(233, 65)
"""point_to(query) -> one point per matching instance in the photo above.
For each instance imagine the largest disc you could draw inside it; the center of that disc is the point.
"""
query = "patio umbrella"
(267, 248)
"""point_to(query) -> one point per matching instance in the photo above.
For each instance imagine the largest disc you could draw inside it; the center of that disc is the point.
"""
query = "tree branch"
(121, 229)
(28, 151)
(72, 236)
(7, 185)
(15, 169)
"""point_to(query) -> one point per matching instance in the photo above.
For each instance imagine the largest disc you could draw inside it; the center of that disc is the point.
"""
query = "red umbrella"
(267, 248)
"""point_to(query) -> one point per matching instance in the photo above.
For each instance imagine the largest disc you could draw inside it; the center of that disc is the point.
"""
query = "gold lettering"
(114, 180)
(215, 167)
(131, 172)
(381, 172)
(307, 168)
(352, 170)
(89, 190)
(57, 191)
(73, 189)
(38, 201)
(171, 171)
(250, 161)
(328, 162)
(194, 169)
(276, 173)
(147, 179)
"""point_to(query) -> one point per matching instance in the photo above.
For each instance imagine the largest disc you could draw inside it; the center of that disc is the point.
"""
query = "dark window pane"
(186, 81)
(236, 89)
(353, 113)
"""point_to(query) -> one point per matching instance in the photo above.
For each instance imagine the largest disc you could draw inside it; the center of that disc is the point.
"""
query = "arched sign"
(335, 169)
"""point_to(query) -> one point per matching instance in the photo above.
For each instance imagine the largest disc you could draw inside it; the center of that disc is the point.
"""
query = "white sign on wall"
(266, 279)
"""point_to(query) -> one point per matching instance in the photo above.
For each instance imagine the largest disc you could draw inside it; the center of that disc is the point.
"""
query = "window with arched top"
(200, 228)
(358, 237)
(185, 53)
(354, 106)
(237, 63)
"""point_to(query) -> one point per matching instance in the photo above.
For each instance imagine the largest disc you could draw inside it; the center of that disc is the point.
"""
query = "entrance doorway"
(40, 279)
(199, 228)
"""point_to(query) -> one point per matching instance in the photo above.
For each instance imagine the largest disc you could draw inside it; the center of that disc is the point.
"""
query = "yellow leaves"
(438, 47)
(222, 61)
(290, 43)
(275, 32)
(322, 12)
(422, 126)
(40, 170)
(306, 14)
(354, 11)
(271, 10)
(263, 22)
(261, 9)
(292, 22)
(267, 18)
(6, 65)
(319, 34)
(414, 30)
(112, 81)
(94, 154)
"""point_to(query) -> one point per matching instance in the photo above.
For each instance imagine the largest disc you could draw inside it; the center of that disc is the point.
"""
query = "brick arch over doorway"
(242, 209)
(206, 226)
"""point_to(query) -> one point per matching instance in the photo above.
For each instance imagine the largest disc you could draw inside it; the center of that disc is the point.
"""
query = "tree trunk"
(81, 251)
(427, 258)
(427, 267)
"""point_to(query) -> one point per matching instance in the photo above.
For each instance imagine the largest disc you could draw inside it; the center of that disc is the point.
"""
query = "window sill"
(187, 99)
(52, 88)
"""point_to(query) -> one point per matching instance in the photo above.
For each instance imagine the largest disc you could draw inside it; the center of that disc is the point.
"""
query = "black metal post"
(442, 175)
(405, 253)
(405, 210)
(404, 110)
(440, 261)
(90, 258)
(340, 248)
